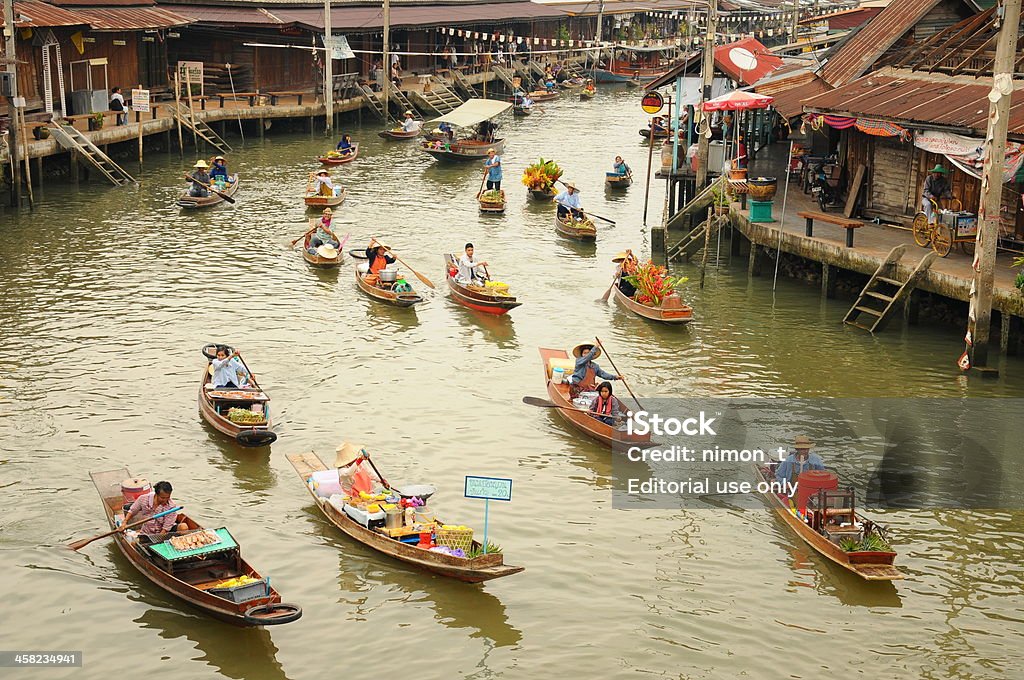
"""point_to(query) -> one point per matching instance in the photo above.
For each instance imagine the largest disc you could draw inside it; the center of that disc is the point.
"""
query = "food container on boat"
(325, 483)
(423, 516)
(363, 267)
(558, 375)
(243, 593)
(388, 275)
(394, 518)
(134, 487)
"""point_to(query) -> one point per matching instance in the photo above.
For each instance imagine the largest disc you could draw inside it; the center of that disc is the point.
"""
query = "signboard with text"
(140, 101)
(489, 488)
(190, 73)
(339, 47)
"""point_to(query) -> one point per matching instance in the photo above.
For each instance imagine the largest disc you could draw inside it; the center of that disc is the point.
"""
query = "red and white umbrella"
(738, 100)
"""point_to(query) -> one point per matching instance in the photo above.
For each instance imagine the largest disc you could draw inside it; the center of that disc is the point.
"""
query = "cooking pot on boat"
(388, 275)
(421, 491)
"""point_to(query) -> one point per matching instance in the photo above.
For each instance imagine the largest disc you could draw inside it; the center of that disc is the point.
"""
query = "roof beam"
(981, 48)
(990, 63)
(967, 28)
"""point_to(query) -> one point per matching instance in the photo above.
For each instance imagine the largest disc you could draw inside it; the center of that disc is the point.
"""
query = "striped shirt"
(143, 507)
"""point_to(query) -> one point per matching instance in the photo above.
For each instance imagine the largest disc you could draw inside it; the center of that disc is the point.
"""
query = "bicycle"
(940, 235)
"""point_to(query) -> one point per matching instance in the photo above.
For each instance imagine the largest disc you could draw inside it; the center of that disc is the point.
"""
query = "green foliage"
(870, 543)
(492, 548)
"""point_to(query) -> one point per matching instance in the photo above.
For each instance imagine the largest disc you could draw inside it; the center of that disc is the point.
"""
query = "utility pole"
(328, 67)
(600, 21)
(708, 73)
(979, 320)
(387, 58)
(13, 134)
(796, 19)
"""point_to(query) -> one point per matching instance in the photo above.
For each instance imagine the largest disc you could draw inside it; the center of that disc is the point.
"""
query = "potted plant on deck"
(720, 201)
(1019, 281)
(96, 122)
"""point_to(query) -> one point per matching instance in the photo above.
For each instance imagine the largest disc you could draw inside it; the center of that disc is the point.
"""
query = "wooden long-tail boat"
(658, 134)
(490, 204)
(544, 95)
(313, 199)
(377, 292)
(580, 417)
(463, 149)
(671, 311)
(399, 134)
(818, 529)
(478, 298)
(214, 405)
(542, 195)
(586, 95)
(194, 575)
(614, 180)
(520, 110)
(191, 202)
(315, 259)
(341, 159)
(577, 230)
(471, 570)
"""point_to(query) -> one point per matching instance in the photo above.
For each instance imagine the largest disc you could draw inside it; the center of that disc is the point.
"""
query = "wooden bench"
(274, 96)
(251, 97)
(846, 223)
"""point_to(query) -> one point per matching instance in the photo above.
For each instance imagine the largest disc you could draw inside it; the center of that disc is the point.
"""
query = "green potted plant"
(96, 122)
(1019, 281)
(720, 200)
(41, 132)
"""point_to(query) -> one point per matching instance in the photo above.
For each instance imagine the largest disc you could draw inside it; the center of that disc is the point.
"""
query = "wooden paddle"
(78, 545)
(419, 276)
(612, 362)
(207, 186)
(607, 293)
(482, 180)
(366, 456)
(589, 214)
(311, 229)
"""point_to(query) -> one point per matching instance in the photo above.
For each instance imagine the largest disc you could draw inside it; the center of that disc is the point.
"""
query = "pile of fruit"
(541, 175)
(237, 581)
(194, 540)
(243, 416)
(491, 196)
(333, 154)
(653, 283)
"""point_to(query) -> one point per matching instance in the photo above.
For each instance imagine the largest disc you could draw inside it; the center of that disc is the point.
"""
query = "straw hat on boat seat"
(802, 442)
(327, 251)
(580, 349)
(347, 454)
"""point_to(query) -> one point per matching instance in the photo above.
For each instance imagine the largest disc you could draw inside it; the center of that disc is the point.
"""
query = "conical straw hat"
(348, 454)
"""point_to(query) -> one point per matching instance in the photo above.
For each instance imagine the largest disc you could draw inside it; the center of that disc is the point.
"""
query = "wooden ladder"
(504, 74)
(884, 291)
(441, 98)
(399, 96)
(71, 139)
(683, 219)
(202, 130)
(536, 68)
(691, 244)
(462, 82)
(372, 99)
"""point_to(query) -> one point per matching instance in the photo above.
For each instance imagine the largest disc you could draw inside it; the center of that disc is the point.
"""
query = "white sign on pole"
(489, 488)
(140, 101)
(339, 47)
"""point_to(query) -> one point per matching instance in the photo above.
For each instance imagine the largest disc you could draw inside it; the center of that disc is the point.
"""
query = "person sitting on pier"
(587, 371)
(153, 503)
(569, 202)
(199, 177)
(627, 267)
(471, 271)
(345, 145)
(324, 185)
(323, 235)
(798, 461)
(228, 370)
(606, 407)
(118, 106)
(620, 168)
(219, 171)
(378, 258)
(936, 188)
(410, 124)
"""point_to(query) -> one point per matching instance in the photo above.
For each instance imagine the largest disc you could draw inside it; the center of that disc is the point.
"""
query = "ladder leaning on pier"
(203, 131)
(695, 239)
(885, 291)
(372, 99)
(73, 140)
(403, 101)
(440, 97)
(505, 75)
(536, 67)
(461, 82)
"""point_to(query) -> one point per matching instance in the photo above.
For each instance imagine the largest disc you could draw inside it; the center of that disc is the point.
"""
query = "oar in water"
(544, 403)
(419, 276)
(607, 293)
(207, 186)
(78, 545)
(621, 377)
(482, 180)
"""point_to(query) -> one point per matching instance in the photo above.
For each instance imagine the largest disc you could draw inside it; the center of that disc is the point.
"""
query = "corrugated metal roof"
(228, 16)
(919, 100)
(354, 18)
(129, 18)
(42, 15)
(790, 92)
(860, 51)
(766, 61)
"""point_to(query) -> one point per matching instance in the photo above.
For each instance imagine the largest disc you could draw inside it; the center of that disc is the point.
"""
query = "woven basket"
(455, 538)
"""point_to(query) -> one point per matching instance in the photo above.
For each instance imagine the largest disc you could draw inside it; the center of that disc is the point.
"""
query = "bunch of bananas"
(243, 416)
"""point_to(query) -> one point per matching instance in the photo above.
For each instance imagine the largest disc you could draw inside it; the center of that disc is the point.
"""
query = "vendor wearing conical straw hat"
(587, 371)
(569, 202)
(199, 177)
(800, 460)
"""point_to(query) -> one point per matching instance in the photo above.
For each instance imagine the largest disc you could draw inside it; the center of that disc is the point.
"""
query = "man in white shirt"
(470, 269)
(410, 124)
(569, 202)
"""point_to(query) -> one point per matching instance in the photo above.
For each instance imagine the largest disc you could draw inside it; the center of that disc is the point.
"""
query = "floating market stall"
(473, 113)
(539, 179)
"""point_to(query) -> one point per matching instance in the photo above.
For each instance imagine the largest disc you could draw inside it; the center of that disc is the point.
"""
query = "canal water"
(108, 295)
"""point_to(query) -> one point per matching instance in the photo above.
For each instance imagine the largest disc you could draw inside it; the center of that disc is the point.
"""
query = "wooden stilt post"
(177, 108)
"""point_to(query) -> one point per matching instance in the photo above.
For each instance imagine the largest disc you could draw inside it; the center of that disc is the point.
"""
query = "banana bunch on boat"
(235, 582)
(244, 416)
